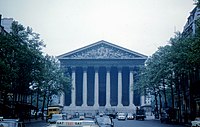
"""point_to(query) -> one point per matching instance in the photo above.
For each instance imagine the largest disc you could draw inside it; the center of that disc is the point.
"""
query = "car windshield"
(103, 120)
(130, 114)
(81, 114)
(121, 114)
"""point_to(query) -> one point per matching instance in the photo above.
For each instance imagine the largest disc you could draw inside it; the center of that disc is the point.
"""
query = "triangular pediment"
(102, 50)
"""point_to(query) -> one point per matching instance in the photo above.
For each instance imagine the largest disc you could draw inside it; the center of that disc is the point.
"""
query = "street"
(38, 123)
(126, 123)
(140, 123)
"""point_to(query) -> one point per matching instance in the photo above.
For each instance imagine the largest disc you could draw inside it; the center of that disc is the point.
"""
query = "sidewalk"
(158, 120)
(34, 121)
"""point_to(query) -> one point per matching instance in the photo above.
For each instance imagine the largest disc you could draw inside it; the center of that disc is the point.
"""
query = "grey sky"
(65, 25)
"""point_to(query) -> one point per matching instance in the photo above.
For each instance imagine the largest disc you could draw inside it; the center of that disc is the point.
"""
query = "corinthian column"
(131, 83)
(73, 87)
(119, 87)
(108, 87)
(96, 88)
(85, 87)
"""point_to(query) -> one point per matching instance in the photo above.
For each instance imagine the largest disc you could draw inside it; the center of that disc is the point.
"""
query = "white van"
(76, 123)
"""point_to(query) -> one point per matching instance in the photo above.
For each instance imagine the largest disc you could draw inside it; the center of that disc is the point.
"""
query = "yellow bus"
(54, 110)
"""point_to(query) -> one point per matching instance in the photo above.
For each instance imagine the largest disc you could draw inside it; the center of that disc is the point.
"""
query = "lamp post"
(33, 87)
(43, 103)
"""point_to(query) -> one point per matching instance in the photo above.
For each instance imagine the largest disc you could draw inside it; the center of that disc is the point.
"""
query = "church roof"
(102, 50)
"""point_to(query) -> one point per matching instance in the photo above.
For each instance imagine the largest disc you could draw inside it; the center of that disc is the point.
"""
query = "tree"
(54, 80)
(197, 2)
(23, 64)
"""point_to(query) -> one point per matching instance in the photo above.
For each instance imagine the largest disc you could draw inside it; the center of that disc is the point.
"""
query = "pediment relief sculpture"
(102, 52)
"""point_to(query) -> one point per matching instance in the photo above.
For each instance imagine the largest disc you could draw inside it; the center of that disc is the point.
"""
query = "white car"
(121, 116)
(196, 122)
(56, 117)
(81, 116)
(77, 123)
(10, 123)
(130, 116)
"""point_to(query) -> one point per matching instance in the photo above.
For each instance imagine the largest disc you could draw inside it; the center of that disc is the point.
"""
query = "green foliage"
(54, 81)
(171, 63)
(22, 63)
(197, 2)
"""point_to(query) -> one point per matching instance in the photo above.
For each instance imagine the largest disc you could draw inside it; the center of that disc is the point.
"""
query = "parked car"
(130, 116)
(81, 116)
(196, 122)
(101, 113)
(76, 122)
(121, 116)
(69, 116)
(56, 117)
(104, 121)
(11, 123)
(89, 115)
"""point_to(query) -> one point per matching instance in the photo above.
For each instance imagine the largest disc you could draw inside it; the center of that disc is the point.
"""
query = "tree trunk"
(37, 101)
(179, 99)
(185, 84)
(172, 91)
(47, 107)
(31, 105)
(156, 105)
(164, 92)
(4, 110)
(43, 105)
(160, 109)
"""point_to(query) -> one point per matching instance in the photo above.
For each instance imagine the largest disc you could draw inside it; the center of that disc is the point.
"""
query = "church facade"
(102, 77)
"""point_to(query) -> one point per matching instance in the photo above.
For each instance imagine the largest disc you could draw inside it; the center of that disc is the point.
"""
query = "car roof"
(102, 116)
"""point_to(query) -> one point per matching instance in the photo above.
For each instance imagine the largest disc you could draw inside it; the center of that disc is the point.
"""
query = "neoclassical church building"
(103, 76)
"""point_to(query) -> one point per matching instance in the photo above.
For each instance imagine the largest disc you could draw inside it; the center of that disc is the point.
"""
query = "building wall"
(190, 26)
(7, 24)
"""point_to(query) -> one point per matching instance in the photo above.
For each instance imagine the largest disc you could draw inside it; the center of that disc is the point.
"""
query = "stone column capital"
(108, 69)
(73, 68)
(119, 68)
(96, 68)
(131, 69)
(85, 68)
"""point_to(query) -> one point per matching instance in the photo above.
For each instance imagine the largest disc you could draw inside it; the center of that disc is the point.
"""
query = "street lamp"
(33, 87)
